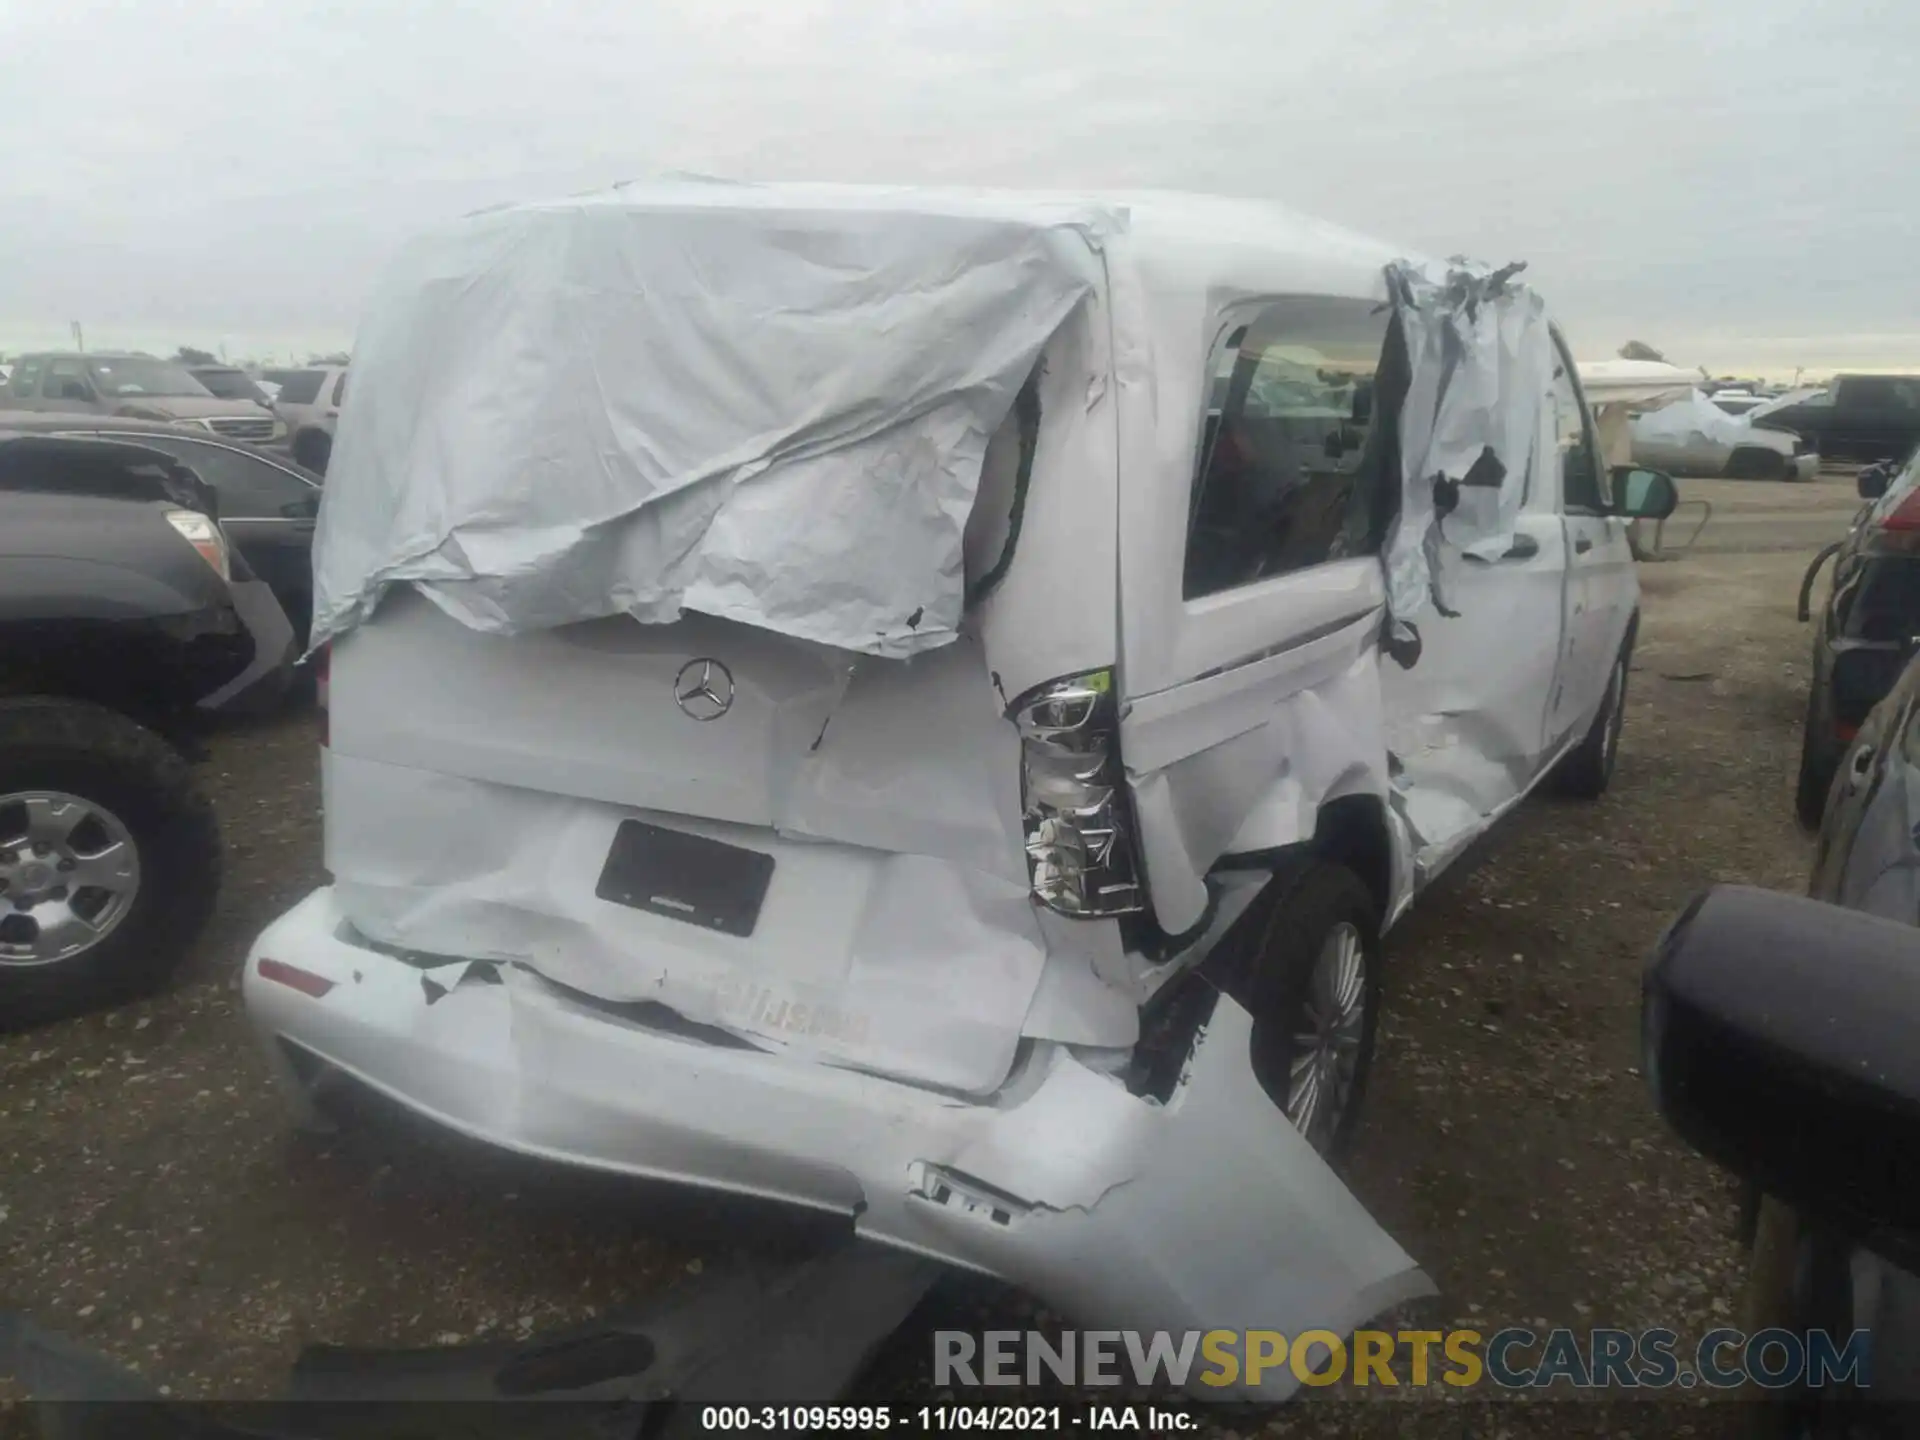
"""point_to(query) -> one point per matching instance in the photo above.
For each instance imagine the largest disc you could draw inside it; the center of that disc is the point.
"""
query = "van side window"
(1298, 463)
(1573, 443)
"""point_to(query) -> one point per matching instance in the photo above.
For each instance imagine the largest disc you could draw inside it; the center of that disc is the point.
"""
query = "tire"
(1587, 770)
(313, 449)
(138, 792)
(1758, 464)
(1818, 762)
(1319, 906)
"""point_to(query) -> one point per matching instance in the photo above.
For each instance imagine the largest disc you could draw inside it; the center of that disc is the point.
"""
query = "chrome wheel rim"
(1327, 1035)
(69, 873)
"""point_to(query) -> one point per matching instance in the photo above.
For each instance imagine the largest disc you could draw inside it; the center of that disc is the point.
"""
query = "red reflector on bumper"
(305, 981)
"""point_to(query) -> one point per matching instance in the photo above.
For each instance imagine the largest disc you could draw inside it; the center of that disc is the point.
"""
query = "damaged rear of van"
(876, 699)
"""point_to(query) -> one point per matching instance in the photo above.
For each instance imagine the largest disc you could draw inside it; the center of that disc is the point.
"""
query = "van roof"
(1179, 240)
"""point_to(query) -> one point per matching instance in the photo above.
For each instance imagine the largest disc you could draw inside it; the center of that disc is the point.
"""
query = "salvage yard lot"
(154, 1202)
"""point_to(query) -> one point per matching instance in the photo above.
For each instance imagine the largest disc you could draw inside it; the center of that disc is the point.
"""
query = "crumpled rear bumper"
(1206, 1212)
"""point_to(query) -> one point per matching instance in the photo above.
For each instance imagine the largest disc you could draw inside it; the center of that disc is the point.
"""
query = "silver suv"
(308, 403)
(136, 387)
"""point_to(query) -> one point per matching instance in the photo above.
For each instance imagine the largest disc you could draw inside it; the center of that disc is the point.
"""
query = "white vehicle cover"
(1480, 364)
(612, 403)
(1696, 420)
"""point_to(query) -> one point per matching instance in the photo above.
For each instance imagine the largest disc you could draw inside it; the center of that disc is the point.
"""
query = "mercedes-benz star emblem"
(704, 689)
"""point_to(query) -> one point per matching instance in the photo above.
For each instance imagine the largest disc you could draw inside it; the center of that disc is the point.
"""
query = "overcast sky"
(1733, 182)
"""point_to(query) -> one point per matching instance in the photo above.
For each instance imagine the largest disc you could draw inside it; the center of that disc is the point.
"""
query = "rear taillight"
(1905, 515)
(294, 978)
(205, 536)
(1080, 855)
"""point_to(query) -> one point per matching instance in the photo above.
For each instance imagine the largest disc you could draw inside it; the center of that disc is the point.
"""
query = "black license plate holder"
(685, 877)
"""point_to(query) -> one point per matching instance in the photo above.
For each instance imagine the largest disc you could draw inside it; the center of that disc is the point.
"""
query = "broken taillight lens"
(1080, 855)
(1905, 515)
(205, 536)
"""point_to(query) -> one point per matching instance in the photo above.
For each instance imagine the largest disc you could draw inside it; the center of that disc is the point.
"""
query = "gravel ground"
(153, 1202)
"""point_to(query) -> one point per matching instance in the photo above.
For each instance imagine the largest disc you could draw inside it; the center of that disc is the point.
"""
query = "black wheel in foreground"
(1314, 993)
(109, 859)
(1587, 770)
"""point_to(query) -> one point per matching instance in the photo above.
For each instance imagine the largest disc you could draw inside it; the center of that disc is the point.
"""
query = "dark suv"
(126, 623)
(1856, 417)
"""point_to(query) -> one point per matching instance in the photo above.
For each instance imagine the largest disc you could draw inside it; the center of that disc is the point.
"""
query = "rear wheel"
(1587, 771)
(1315, 999)
(109, 858)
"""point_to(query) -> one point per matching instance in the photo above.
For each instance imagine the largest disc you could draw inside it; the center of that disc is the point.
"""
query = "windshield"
(136, 376)
(1813, 395)
(229, 384)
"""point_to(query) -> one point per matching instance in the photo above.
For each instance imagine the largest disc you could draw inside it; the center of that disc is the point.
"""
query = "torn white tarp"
(766, 405)
(1693, 421)
(1480, 361)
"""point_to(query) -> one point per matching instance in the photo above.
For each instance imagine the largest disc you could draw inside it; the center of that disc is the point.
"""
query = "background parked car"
(1784, 1032)
(137, 387)
(1867, 627)
(1695, 437)
(1736, 402)
(309, 403)
(229, 382)
(267, 502)
(1856, 417)
(125, 622)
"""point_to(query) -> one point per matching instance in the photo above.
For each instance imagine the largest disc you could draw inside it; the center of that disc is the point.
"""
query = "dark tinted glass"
(249, 487)
(301, 387)
(228, 384)
(1884, 604)
(1579, 461)
(1296, 461)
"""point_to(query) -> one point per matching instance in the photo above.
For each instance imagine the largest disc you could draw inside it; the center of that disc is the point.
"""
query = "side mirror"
(1643, 494)
(1779, 1036)
(1872, 482)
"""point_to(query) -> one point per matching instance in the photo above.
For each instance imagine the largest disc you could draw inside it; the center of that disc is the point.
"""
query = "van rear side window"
(302, 387)
(1299, 456)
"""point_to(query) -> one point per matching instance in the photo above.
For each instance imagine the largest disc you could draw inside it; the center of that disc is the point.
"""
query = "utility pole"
(78, 342)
